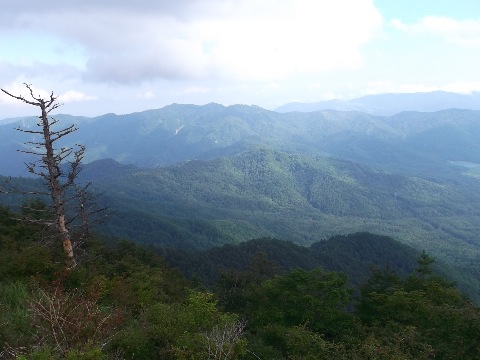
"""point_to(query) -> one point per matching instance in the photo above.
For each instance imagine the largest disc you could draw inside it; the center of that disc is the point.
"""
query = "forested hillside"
(266, 193)
(292, 197)
(295, 182)
(408, 143)
(356, 255)
(123, 302)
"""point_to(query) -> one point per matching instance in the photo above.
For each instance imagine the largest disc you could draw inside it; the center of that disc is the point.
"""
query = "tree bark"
(57, 190)
(51, 162)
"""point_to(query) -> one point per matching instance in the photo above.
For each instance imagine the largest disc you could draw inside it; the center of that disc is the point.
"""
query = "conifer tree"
(424, 262)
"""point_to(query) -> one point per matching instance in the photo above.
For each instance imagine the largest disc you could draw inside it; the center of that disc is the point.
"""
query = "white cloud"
(295, 38)
(146, 95)
(462, 87)
(460, 32)
(265, 52)
(130, 42)
(195, 90)
(381, 87)
(19, 89)
(74, 96)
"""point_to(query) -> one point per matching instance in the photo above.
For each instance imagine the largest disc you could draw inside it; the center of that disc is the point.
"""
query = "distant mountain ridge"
(414, 142)
(391, 104)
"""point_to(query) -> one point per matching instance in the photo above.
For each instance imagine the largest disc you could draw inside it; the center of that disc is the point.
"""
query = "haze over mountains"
(416, 143)
(390, 104)
(193, 177)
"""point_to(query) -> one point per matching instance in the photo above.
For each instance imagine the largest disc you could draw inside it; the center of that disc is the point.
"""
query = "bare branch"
(31, 152)
(49, 165)
(221, 340)
(70, 319)
(29, 131)
(21, 98)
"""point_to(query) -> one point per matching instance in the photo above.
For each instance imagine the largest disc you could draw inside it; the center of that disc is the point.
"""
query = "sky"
(124, 56)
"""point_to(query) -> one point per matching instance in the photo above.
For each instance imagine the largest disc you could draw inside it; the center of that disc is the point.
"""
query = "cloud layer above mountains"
(130, 42)
(230, 51)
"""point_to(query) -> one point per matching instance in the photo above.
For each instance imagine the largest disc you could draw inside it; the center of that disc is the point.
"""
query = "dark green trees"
(440, 322)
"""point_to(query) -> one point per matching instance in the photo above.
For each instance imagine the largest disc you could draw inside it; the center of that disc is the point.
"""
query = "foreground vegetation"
(124, 302)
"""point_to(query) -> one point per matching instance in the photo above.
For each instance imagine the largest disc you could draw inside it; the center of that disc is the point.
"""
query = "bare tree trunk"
(57, 192)
(88, 211)
(50, 164)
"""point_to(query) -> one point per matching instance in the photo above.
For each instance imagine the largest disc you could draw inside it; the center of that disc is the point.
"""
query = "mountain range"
(424, 144)
(193, 177)
(390, 104)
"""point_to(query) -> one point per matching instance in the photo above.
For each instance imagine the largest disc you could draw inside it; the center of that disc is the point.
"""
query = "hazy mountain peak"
(392, 103)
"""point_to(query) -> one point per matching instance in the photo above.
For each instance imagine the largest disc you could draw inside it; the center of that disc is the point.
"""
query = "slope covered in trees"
(268, 298)
(124, 302)
(266, 193)
(355, 255)
(408, 143)
(292, 197)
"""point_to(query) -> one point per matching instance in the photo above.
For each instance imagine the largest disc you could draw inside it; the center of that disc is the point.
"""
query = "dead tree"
(223, 340)
(50, 163)
(87, 211)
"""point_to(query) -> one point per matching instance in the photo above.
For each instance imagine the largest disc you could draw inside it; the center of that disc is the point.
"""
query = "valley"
(194, 177)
